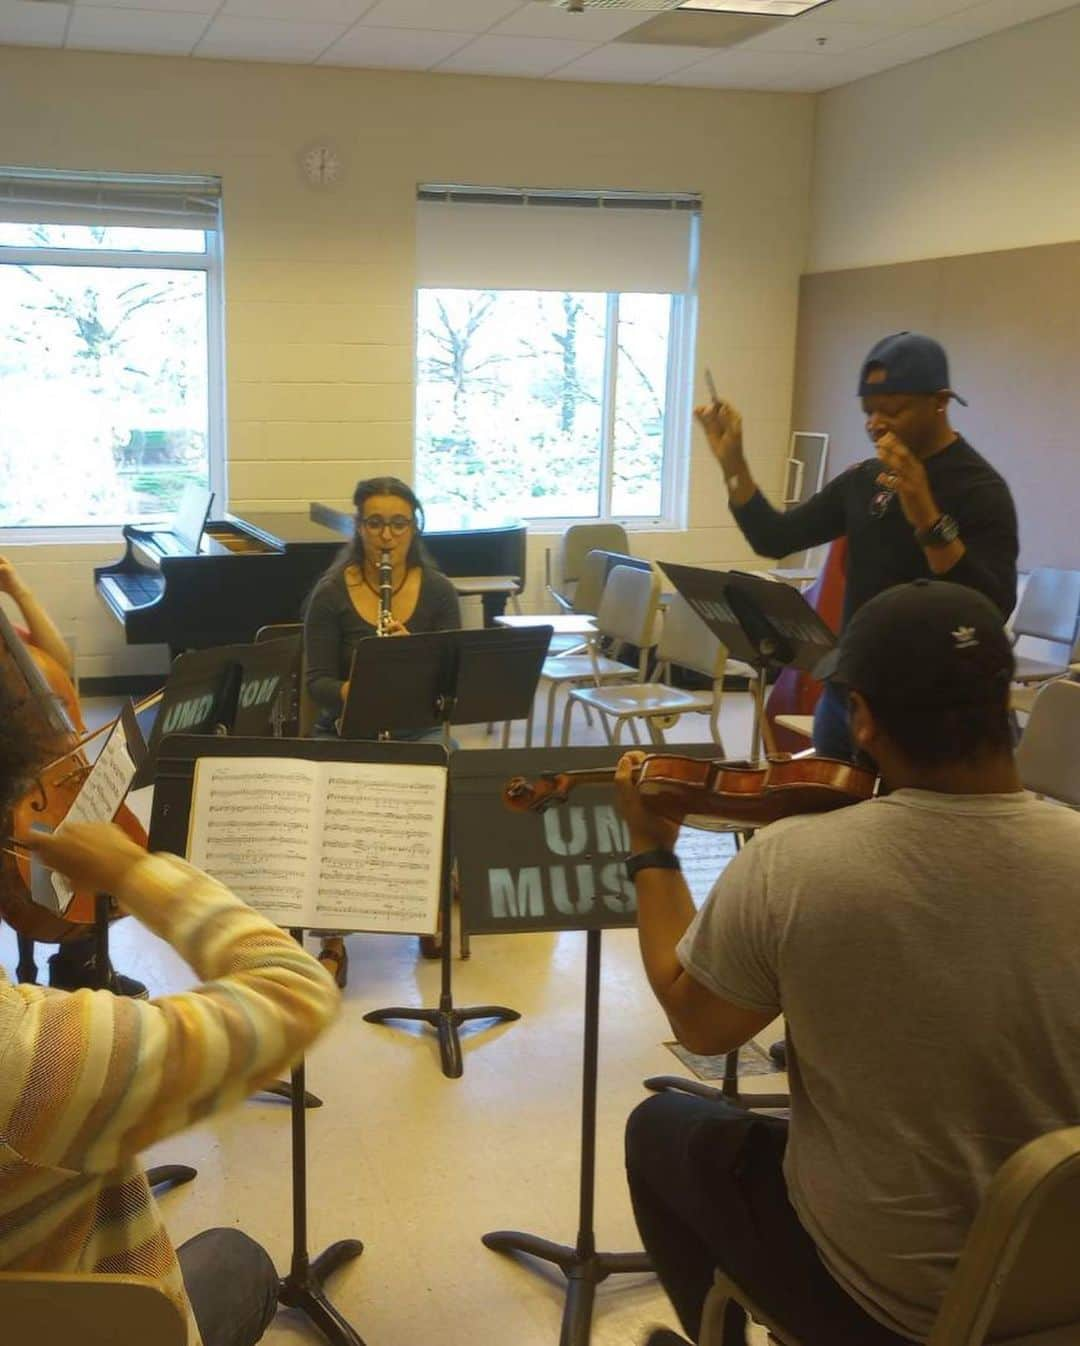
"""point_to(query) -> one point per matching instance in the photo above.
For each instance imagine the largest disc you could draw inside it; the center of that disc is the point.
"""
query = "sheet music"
(251, 828)
(704, 857)
(100, 797)
(380, 854)
(323, 845)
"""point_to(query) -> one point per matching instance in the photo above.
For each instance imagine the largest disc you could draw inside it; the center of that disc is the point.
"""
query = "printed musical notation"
(704, 857)
(352, 845)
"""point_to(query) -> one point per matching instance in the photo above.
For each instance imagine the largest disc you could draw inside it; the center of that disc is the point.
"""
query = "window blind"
(46, 196)
(510, 239)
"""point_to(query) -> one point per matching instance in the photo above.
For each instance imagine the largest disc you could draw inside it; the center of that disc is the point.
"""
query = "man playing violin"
(927, 505)
(89, 1079)
(928, 985)
(74, 963)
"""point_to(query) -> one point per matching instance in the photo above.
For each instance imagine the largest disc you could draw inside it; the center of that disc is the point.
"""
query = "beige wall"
(970, 151)
(319, 285)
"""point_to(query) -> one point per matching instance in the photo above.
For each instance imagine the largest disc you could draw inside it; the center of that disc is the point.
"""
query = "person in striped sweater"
(89, 1079)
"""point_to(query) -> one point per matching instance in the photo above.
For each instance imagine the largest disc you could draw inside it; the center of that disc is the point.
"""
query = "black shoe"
(778, 1054)
(663, 1336)
(67, 973)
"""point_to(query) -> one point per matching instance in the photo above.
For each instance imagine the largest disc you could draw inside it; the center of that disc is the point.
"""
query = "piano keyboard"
(136, 590)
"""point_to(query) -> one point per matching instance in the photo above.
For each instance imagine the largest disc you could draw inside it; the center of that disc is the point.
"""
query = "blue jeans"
(232, 1286)
(832, 733)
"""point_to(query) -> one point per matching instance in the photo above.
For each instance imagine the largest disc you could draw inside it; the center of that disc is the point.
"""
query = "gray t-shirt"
(925, 950)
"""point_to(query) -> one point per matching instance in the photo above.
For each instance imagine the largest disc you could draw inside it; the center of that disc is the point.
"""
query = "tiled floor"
(418, 1166)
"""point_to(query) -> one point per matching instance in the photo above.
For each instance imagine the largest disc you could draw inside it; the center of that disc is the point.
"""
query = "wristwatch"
(657, 859)
(939, 534)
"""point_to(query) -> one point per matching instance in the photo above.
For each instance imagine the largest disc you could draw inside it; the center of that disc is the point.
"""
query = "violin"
(706, 793)
(56, 703)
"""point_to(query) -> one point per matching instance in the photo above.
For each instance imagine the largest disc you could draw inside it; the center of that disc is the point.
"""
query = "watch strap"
(941, 532)
(654, 859)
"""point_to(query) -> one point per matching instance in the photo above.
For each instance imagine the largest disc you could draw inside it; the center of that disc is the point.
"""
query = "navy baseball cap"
(913, 363)
(928, 645)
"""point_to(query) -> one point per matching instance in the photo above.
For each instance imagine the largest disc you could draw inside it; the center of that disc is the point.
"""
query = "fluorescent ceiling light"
(778, 9)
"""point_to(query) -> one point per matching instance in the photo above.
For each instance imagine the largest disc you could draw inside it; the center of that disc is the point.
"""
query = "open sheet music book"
(323, 845)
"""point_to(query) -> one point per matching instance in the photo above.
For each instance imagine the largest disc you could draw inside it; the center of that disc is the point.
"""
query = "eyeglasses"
(397, 523)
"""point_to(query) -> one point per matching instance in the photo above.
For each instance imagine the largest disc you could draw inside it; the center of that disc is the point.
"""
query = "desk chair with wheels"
(44, 1309)
(685, 641)
(1015, 1283)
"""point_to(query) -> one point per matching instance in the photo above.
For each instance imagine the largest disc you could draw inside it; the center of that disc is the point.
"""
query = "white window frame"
(674, 478)
(208, 261)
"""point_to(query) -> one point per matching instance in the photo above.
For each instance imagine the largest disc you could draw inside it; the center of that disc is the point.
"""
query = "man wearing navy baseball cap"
(922, 947)
(926, 505)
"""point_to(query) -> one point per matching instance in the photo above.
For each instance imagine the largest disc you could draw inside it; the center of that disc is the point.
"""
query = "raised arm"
(40, 626)
(88, 1079)
(769, 531)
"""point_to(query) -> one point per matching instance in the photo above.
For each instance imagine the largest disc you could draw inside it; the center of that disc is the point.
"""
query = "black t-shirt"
(883, 551)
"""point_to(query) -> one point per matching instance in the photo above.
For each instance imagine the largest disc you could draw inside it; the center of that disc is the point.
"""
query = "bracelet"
(656, 859)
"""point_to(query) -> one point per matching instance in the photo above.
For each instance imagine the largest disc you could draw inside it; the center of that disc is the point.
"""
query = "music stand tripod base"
(446, 1020)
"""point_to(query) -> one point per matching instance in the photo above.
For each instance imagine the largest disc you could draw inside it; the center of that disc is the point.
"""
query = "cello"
(54, 703)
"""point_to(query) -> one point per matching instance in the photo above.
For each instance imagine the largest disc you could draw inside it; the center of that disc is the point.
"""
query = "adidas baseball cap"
(913, 363)
(929, 644)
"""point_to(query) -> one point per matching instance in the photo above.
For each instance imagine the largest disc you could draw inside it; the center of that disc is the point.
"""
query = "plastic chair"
(1049, 610)
(1015, 1283)
(627, 615)
(685, 641)
(574, 545)
(573, 624)
(1048, 757)
(59, 1310)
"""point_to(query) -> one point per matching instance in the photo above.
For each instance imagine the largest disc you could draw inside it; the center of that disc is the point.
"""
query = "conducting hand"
(648, 831)
(906, 475)
(95, 856)
(722, 424)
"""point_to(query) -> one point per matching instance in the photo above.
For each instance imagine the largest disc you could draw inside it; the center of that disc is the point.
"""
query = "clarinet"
(386, 594)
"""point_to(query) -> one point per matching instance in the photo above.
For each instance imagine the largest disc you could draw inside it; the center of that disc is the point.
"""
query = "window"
(110, 348)
(544, 401)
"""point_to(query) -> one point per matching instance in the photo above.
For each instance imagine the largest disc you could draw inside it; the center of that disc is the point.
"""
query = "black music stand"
(770, 626)
(523, 845)
(763, 622)
(444, 677)
(303, 1288)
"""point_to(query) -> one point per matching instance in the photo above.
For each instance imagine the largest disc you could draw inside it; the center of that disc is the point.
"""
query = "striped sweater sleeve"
(90, 1079)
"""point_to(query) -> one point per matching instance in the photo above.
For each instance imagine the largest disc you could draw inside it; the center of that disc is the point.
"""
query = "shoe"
(67, 973)
(778, 1054)
(663, 1336)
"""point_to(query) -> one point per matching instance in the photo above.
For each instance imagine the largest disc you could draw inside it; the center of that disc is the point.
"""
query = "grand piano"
(258, 570)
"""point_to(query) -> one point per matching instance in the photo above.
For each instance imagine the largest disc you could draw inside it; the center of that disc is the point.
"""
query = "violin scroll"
(526, 796)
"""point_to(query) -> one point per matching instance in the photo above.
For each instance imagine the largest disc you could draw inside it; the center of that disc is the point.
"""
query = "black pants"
(708, 1191)
(232, 1285)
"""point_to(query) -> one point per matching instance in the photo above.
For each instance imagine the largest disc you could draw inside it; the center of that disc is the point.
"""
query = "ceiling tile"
(739, 69)
(804, 35)
(156, 31)
(513, 56)
(204, 7)
(32, 25)
(444, 16)
(899, 13)
(236, 39)
(594, 25)
(392, 48)
(310, 11)
(990, 16)
(632, 64)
